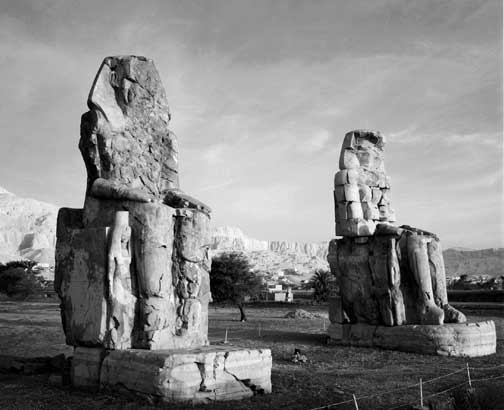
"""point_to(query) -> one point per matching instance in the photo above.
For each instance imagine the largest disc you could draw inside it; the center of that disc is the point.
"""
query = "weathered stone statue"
(387, 275)
(156, 289)
(132, 266)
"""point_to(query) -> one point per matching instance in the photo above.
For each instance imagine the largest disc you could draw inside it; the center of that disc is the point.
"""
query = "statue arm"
(178, 199)
(105, 189)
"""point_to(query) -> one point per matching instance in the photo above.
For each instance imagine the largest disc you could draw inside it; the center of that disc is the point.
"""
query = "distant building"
(276, 293)
(274, 287)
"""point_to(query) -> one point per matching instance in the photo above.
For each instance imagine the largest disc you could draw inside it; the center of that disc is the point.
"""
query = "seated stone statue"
(132, 266)
(387, 275)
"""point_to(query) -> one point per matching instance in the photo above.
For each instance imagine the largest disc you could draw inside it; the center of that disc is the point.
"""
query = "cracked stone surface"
(132, 266)
(361, 187)
(198, 375)
(454, 339)
(387, 275)
(146, 279)
(124, 136)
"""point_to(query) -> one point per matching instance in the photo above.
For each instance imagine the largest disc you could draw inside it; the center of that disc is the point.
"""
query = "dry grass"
(331, 375)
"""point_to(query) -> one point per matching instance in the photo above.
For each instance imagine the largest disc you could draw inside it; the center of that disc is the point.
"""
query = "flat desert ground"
(380, 379)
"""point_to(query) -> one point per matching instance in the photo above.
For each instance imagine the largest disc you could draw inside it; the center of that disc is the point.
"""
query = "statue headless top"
(129, 151)
(361, 187)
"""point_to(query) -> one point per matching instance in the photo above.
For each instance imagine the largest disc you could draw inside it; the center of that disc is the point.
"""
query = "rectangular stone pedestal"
(451, 339)
(198, 375)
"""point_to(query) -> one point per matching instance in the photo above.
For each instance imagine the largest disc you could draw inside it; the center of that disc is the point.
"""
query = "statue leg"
(418, 258)
(378, 263)
(437, 269)
(152, 248)
(384, 265)
(356, 283)
(191, 266)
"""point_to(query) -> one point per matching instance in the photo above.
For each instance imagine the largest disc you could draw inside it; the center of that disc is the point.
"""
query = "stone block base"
(86, 366)
(204, 374)
(454, 339)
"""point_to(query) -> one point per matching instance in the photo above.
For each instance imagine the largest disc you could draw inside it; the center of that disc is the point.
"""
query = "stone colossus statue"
(140, 244)
(387, 275)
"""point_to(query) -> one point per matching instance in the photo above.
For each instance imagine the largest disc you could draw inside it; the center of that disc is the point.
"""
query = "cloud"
(414, 135)
(216, 187)
(314, 142)
(261, 104)
(407, 135)
(214, 154)
(492, 139)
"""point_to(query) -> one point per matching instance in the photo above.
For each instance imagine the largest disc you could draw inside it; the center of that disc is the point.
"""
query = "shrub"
(18, 280)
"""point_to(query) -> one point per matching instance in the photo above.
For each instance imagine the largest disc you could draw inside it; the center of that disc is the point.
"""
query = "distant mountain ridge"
(27, 228)
(305, 257)
(474, 262)
(28, 231)
(233, 239)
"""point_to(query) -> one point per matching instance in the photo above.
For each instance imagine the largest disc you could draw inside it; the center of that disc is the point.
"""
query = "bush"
(18, 280)
(482, 397)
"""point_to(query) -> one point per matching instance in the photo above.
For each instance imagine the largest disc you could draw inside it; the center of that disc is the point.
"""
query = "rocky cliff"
(230, 238)
(305, 257)
(299, 259)
(474, 262)
(27, 229)
(227, 238)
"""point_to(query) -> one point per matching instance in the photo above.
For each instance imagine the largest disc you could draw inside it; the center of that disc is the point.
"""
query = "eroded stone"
(387, 276)
(458, 340)
(146, 272)
(132, 267)
(198, 375)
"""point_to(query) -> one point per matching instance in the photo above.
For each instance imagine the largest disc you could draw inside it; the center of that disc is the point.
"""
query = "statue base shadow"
(200, 375)
(453, 339)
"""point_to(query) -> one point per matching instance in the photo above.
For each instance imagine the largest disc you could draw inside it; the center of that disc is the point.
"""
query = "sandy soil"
(331, 375)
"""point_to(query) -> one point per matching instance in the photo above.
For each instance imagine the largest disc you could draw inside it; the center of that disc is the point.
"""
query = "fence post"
(225, 337)
(355, 402)
(259, 329)
(469, 376)
(421, 394)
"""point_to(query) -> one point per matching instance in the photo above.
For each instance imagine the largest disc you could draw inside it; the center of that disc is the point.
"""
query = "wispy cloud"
(313, 143)
(216, 187)
(214, 154)
(407, 135)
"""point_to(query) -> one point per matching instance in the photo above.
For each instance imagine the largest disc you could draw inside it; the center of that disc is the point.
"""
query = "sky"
(261, 95)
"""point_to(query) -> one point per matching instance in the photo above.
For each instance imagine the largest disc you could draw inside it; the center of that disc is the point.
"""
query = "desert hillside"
(299, 259)
(304, 258)
(27, 229)
(474, 262)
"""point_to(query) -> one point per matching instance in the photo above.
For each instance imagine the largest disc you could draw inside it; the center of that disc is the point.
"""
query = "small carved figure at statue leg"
(120, 299)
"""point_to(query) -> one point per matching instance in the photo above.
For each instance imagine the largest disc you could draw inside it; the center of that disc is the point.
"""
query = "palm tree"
(322, 283)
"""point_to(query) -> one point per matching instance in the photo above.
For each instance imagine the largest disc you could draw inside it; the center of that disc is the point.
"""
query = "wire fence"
(223, 335)
(469, 381)
(257, 328)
